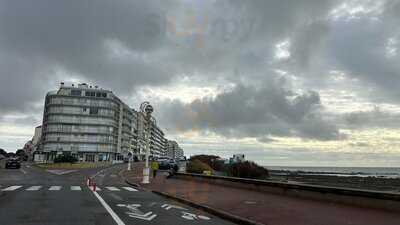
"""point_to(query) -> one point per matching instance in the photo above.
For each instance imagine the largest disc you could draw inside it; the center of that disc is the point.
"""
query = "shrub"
(65, 158)
(247, 169)
(197, 166)
(215, 162)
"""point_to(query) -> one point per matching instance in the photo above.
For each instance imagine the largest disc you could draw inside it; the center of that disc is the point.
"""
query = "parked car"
(167, 164)
(13, 163)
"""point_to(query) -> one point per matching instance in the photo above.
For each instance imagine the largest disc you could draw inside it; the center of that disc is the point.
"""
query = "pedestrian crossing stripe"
(113, 189)
(55, 188)
(11, 188)
(71, 188)
(34, 188)
(129, 189)
(76, 188)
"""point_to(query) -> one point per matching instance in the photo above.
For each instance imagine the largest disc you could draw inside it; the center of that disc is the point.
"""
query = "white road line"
(113, 189)
(109, 209)
(129, 189)
(22, 170)
(11, 188)
(55, 188)
(76, 188)
(34, 188)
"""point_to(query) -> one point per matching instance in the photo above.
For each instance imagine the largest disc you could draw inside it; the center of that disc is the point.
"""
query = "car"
(13, 163)
(167, 164)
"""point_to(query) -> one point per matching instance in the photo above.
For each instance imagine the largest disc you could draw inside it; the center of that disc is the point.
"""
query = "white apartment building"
(93, 125)
(173, 150)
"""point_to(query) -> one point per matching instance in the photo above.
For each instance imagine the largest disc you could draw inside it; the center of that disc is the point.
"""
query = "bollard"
(94, 186)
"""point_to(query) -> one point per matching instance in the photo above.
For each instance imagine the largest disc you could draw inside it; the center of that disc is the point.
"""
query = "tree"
(21, 154)
(214, 161)
(197, 166)
(3, 152)
(247, 169)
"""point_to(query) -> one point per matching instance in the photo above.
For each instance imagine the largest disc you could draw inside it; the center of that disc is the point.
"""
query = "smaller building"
(173, 150)
(236, 158)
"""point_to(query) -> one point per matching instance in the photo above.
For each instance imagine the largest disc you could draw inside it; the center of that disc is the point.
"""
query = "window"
(90, 93)
(76, 92)
(94, 111)
(98, 94)
(104, 95)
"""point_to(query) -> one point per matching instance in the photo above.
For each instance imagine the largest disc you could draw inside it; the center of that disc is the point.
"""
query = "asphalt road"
(32, 196)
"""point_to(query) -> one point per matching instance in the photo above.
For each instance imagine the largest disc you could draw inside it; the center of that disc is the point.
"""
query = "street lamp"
(146, 109)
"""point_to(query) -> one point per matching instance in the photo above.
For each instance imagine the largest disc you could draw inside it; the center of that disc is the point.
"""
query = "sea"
(383, 172)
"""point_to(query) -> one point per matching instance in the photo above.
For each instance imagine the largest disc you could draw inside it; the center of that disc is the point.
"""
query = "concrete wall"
(363, 198)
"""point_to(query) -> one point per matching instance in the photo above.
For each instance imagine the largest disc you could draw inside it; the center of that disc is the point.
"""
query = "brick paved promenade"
(264, 207)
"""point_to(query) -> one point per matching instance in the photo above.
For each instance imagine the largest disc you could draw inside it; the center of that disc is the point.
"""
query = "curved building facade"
(90, 123)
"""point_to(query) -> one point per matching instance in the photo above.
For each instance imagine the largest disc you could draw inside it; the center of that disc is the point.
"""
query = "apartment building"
(93, 125)
(88, 122)
(173, 150)
(157, 140)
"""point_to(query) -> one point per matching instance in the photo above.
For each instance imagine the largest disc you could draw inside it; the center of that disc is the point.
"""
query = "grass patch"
(80, 165)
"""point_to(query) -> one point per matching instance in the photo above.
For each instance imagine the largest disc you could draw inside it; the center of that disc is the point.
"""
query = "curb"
(215, 212)
(133, 184)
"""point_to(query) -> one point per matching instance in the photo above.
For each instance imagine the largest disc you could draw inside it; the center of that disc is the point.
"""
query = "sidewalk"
(264, 207)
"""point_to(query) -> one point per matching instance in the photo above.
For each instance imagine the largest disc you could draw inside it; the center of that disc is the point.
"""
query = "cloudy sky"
(301, 83)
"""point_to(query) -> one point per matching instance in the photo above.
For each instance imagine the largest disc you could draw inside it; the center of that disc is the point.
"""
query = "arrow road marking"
(170, 206)
(136, 213)
(191, 216)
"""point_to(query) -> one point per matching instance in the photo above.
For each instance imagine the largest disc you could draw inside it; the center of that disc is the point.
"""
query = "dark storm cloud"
(359, 47)
(372, 118)
(248, 111)
(39, 38)
(123, 45)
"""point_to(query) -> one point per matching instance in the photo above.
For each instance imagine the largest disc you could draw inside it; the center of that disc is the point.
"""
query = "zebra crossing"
(61, 188)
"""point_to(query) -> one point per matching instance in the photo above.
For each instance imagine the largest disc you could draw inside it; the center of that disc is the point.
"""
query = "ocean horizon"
(384, 172)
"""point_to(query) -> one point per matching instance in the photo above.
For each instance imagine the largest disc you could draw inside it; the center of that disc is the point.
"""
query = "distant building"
(235, 159)
(156, 142)
(37, 136)
(173, 150)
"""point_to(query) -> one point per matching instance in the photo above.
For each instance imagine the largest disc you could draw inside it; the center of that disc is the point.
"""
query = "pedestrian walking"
(154, 167)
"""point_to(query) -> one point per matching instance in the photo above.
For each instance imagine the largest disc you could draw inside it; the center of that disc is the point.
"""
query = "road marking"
(22, 170)
(109, 210)
(129, 189)
(34, 188)
(135, 212)
(113, 189)
(170, 206)
(11, 188)
(61, 172)
(76, 188)
(55, 188)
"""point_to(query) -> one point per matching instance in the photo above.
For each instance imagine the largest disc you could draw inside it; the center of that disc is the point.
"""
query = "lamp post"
(146, 109)
(130, 160)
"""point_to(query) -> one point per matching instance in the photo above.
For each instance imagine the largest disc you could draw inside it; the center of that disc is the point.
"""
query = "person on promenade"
(154, 168)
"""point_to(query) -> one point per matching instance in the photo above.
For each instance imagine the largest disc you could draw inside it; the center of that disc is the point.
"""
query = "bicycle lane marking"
(109, 209)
